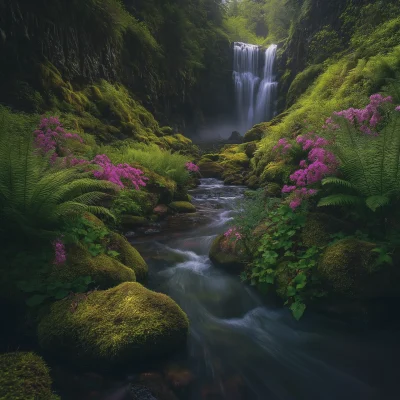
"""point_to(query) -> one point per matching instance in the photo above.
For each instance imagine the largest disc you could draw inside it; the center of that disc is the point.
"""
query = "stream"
(240, 348)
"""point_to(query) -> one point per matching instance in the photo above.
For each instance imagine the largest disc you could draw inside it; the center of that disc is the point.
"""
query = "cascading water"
(255, 85)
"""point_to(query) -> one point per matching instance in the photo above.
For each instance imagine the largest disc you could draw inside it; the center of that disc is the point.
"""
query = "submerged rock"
(128, 323)
(24, 376)
(183, 207)
(131, 222)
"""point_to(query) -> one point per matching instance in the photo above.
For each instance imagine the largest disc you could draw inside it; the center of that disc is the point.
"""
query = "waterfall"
(255, 85)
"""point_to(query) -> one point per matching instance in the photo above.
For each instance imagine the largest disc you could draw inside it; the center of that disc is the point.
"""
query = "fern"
(369, 166)
(35, 198)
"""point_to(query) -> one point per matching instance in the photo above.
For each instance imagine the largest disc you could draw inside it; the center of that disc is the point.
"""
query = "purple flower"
(192, 167)
(397, 108)
(60, 255)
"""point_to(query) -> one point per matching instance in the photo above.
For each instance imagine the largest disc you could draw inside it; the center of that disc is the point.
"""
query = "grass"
(163, 162)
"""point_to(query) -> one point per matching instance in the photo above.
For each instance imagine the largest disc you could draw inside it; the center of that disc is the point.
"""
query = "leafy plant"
(369, 166)
(36, 198)
(93, 237)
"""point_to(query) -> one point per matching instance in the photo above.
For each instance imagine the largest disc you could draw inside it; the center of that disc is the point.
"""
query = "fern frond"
(375, 202)
(339, 200)
(338, 182)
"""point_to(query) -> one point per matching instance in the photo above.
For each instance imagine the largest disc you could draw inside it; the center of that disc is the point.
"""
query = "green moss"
(250, 149)
(132, 221)
(302, 82)
(273, 190)
(128, 323)
(348, 269)
(105, 271)
(277, 172)
(210, 169)
(256, 133)
(319, 227)
(226, 254)
(182, 207)
(24, 376)
(129, 256)
(284, 275)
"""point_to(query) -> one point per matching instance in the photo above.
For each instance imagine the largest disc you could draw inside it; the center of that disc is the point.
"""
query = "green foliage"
(163, 162)
(89, 234)
(324, 44)
(35, 198)
(370, 169)
(128, 203)
(279, 248)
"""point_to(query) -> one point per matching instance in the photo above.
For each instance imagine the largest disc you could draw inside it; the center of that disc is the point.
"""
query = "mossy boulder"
(273, 190)
(348, 269)
(277, 172)
(125, 324)
(128, 222)
(319, 228)
(129, 256)
(183, 207)
(250, 149)
(24, 376)
(227, 254)
(252, 182)
(210, 169)
(104, 270)
(163, 187)
(256, 133)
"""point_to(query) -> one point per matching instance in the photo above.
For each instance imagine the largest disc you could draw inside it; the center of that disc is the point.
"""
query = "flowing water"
(240, 348)
(255, 85)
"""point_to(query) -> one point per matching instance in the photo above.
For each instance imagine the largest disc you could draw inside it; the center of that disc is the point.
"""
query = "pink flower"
(192, 167)
(397, 108)
(288, 189)
(60, 255)
(115, 173)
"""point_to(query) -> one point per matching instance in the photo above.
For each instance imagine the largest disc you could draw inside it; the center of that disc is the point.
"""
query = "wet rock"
(161, 210)
(227, 254)
(178, 377)
(132, 222)
(183, 207)
(157, 385)
(138, 392)
(210, 169)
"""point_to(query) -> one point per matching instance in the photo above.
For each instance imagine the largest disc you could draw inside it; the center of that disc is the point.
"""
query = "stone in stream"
(227, 254)
(139, 392)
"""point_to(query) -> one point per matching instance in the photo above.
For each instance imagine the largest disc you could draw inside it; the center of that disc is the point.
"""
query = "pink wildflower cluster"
(233, 233)
(320, 163)
(51, 136)
(117, 173)
(397, 108)
(60, 254)
(366, 118)
(283, 146)
(192, 167)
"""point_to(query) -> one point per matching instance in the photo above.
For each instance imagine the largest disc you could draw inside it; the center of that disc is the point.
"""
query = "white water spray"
(255, 85)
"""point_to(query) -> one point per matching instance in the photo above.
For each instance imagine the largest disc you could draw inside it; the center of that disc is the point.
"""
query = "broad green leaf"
(298, 309)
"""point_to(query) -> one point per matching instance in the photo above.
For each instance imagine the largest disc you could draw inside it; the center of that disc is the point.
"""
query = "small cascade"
(255, 85)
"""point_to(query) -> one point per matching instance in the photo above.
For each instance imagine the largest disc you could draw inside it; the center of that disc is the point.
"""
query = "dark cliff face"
(317, 33)
(86, 42)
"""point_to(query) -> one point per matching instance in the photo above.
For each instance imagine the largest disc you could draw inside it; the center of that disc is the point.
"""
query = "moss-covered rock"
(277, 172)
(24, 376)
(250, 149)
(256, 133)
(125, 324)
(252, 182)
(129, 256)
(348, 268)
(183, 207)
(210, 169)
(319, 227)
(128, 222)
(104, 270)
(163, 187)
(227, 254)
(273, 190)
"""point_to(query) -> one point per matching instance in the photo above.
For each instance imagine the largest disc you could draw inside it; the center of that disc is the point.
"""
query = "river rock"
(183, 207)
(161, 210)
(227, 254)
(125, 324)
(132, 222)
